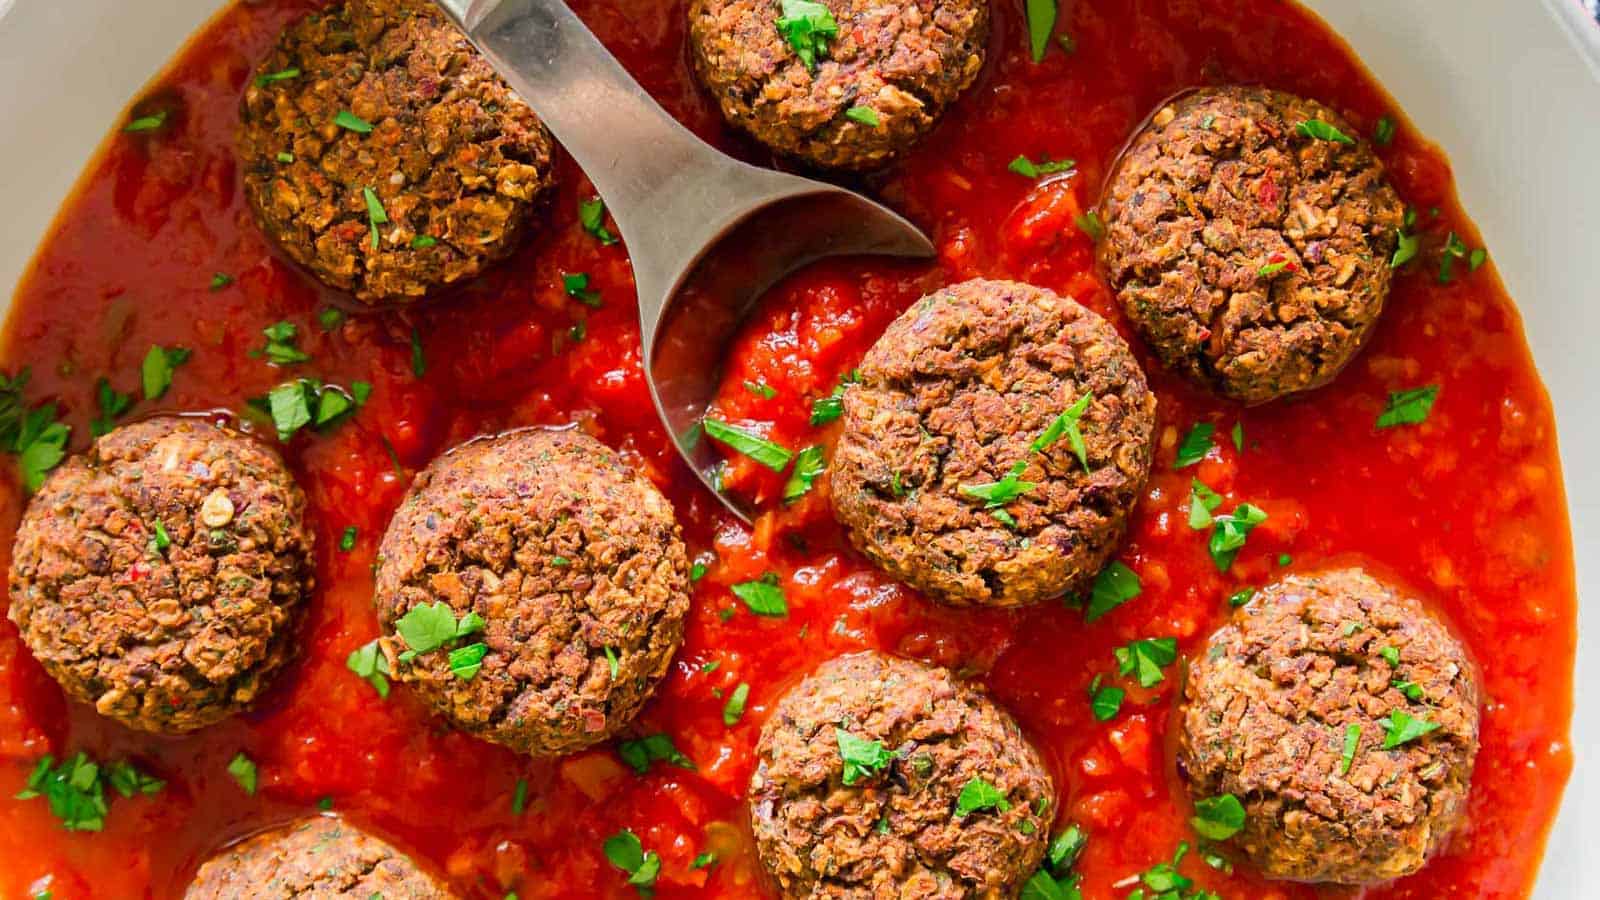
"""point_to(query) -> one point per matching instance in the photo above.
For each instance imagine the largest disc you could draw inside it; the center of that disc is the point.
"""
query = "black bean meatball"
(958, 471)
(881, 777)
(1345, 718)
(870, 92)
(1249, 235)
(322, 857)
(566, 575)
(384, 155)
(159, 575)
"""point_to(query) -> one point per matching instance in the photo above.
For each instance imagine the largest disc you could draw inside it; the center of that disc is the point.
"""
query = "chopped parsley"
(1400, 728)
(749, 444)
(1318, 130)
(1477, 259)
(1055, 879)
(760, 389)
(156, 372)
(1383, 135)
(275, 77)
(1196, 444)
(152, 122)
(1410, 689)
(296, 404)
(1410, 407)
(1390, 655)
(1105, 701)
(330, 317)
(978, 795)
(733, 710)
(1230, 532)
(519, 797)
(75, 791)
(1241, 597)
(592, 216)
(220, 280)
(423, 241)
(577, 287)
(808, 464)
(376, 214)
(1090, 224)
(1218, 818)
(281, 348)
(1041, 16)
(243, 770)
(626, 853)
(39, 441)
(427, 627)
(866, 115)
(1454, 249)
(1406, 249)
(999, 493)
(764, 597)
(349, 121)
(368, 662)
(830, 408)
(162, 539)
(465, 662)
(1115, 585)
(1144, 658)
(640, 754)
(1276, 263)
(1203, 501)
(419, 359)
(1067, 424)
(347, 540)
(862, 758)
(1352, 741)
(704, 860)
(1027, 168)
(808, 27)
(113, 403)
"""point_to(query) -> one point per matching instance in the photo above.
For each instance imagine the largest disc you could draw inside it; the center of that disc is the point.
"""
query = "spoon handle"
(666, 188)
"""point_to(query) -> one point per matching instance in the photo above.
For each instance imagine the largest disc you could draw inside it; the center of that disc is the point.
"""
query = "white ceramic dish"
(1510, 88)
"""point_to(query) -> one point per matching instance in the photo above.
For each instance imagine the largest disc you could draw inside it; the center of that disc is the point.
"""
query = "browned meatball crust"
(455, 162)
(1271, 703)
(574, 563)
(1252, 257)
(322, 857)
(896, 832)
(158, 575)
(905, 61)
(956, 394)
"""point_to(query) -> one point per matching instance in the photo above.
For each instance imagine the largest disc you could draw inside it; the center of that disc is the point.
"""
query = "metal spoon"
(706, 233)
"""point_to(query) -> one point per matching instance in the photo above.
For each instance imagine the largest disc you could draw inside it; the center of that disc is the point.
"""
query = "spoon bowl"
(706, 234)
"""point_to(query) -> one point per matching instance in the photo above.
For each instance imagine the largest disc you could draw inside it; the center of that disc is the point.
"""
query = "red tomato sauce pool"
(1467, 508)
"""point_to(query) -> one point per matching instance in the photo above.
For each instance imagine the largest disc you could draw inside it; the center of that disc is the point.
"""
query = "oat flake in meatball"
(158, 576)
(1276, 695)
(963, 388)
(577, 569)
(385, 97)
(877, 87)
(322, 857)
(1252, 257)
(898, 828)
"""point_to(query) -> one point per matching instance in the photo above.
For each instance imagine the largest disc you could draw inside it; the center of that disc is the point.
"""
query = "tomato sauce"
(1467, 508)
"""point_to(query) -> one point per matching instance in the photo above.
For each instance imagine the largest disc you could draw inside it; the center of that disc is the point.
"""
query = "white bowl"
(1510, 89)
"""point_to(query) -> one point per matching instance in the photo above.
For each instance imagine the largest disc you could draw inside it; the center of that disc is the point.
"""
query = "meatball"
(1344, 717)
(958, 471)
(567, 576)
(882, 777)
(385, 156)
(1248, 237)
(322, 857)
(159, 575)
(870, 91)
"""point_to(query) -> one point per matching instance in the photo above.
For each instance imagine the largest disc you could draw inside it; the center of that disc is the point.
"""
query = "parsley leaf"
(1203, 501)
(419, 360)
(1230, 532)
(427, 627)
(862, 758)
(808, 27)
(1218, 818)
(1317, 129)
(113, 404)
(1090, 224)
(281, 349)
(146, 123)
(376, 215)
(733, 710)
(749, 444)
(465, 662)
(592, 216)
(243, 770)
(156, 372)
(1406, 249)
(275, 77)
(763, 597)
(1067, 424)
(866, 115)
(351, 122)
(1383, 135)
(808, 464)
(626, 853)
(368, 662)
(1400, 728)
(830, 408)
(75, 791)
(656, 748)
(1352, 741)
(1115, 585)
(1410, 407)
(977, 795)
(577, 287)
(1196, 444)
(1041, 16)
(1145, 658)
(1105, 702)
(1027, 168)
(999, 493)
(1454, 249)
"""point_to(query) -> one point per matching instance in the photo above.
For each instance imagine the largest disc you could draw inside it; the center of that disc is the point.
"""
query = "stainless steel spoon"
(706, 233)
